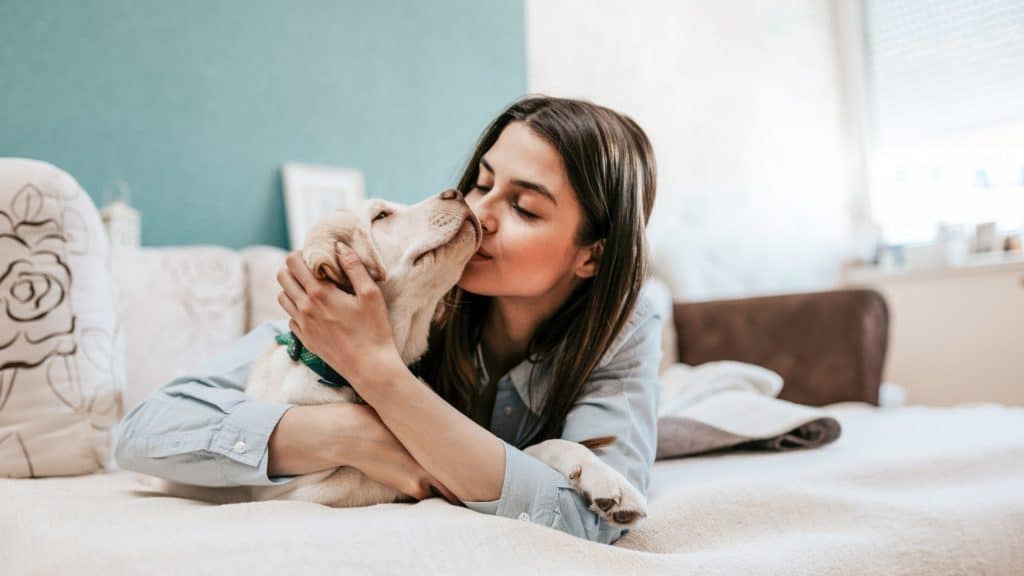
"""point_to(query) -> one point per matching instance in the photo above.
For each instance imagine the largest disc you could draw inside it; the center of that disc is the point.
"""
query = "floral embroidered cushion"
(60, 360)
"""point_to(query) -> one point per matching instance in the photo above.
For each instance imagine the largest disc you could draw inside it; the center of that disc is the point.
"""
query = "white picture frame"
(312, 191)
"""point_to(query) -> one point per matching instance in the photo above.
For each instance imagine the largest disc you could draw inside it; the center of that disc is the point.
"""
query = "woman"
(546, 335)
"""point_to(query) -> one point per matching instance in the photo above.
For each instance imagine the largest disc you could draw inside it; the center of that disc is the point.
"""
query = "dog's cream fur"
(415, 254)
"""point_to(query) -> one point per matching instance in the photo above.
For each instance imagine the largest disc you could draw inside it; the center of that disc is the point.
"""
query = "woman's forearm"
(468, 459)
(312, 438)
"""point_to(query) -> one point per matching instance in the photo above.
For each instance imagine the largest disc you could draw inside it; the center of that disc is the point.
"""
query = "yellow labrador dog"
(416, 255)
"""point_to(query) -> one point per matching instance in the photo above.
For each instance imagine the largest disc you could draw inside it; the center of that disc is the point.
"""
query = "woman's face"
(529, 214)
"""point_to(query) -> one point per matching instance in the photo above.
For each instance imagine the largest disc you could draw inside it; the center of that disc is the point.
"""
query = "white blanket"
(903, 491)
(727, 404)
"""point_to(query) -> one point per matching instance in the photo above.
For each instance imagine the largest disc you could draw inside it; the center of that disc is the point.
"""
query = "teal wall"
(196, 104)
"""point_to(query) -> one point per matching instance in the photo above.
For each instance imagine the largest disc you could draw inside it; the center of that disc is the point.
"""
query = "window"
(946, 93)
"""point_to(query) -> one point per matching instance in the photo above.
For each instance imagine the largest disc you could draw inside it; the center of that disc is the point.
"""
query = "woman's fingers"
(293, 290)
(287, 304)
(440, 490)
(355, 269)
(297, 266)
(391, 464)
(424, 485)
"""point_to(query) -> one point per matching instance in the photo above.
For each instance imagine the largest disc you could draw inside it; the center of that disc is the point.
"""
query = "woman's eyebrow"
(538, 188)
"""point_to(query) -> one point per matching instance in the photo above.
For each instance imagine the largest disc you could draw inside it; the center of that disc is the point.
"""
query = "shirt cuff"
(529, 490)
(535, 492)
(243, 438)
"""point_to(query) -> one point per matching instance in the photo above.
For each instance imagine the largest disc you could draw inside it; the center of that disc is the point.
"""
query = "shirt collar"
(520, 377)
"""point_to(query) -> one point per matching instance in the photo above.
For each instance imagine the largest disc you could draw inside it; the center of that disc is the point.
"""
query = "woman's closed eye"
(524, 213)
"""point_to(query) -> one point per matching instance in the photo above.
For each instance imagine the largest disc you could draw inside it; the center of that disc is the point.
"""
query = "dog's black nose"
(451, 194)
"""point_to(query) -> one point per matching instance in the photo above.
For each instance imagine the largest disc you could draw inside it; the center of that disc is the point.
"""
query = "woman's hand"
(351, 332)
(316, 437)
(377, 453)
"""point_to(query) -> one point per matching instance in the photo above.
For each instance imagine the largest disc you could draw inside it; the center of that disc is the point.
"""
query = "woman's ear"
(590, 259)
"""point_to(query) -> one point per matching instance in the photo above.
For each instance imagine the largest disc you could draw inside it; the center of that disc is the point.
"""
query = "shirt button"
(524, 516)
(508, 409)
(239, 447)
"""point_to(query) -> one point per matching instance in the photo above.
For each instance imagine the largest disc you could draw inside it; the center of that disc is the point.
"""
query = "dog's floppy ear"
(342, 225)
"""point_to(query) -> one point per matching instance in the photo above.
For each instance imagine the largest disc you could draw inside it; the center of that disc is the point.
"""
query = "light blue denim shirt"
(203, 429)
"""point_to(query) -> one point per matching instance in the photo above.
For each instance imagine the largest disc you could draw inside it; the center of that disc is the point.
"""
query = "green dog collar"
(296, 351)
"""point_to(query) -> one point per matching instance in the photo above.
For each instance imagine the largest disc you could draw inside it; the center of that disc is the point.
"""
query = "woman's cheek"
(531, 267)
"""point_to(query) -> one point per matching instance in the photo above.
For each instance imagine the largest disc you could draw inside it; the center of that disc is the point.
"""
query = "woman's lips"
(481, 254)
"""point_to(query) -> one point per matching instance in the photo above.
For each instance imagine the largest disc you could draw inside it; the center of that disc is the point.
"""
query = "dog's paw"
(608, 493)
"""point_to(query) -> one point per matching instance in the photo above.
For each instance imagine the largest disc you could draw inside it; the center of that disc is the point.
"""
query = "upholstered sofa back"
(182, 305)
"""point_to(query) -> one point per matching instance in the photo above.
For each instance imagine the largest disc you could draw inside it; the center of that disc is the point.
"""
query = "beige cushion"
(60, 361)
(261, 266)
(179, 306)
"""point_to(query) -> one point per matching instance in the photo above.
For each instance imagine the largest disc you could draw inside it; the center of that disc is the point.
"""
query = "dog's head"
(415, 253)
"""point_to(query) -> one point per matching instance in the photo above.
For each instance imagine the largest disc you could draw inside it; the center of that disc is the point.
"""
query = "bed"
(911, 490)
(903, 490)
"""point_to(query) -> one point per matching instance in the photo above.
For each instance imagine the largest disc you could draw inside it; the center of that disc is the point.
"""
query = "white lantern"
(122, 224)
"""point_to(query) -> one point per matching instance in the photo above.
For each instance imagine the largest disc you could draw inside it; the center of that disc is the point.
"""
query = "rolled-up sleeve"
(203, 429)
(620, 399)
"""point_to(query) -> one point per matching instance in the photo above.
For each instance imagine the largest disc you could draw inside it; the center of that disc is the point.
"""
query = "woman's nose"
(480, 209)
(451, 194)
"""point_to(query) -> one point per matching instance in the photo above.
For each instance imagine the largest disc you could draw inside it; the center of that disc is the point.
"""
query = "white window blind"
(944, 66)
(946, 90)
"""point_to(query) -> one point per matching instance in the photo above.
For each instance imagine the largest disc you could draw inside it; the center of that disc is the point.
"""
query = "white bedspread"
(903, 491)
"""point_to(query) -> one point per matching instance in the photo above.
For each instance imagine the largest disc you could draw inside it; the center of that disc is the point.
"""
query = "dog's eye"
(381, 215)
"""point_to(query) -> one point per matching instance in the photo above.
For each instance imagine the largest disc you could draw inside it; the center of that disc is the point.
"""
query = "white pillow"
(261, 266)
(60, 360)
(179, 306)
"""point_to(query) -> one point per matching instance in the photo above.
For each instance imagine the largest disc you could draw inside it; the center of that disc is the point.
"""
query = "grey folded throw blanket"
(732, 406)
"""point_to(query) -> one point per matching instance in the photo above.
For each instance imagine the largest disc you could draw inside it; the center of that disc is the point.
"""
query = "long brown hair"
(611, 168)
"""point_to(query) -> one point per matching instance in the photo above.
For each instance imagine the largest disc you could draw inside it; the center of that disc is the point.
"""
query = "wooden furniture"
(957, 331)
(827, 346)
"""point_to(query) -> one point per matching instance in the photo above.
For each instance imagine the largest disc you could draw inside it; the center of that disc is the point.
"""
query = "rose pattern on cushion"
(15, 444)
(36, 318)
(6, 385)
(105, 404)
(43, 237)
